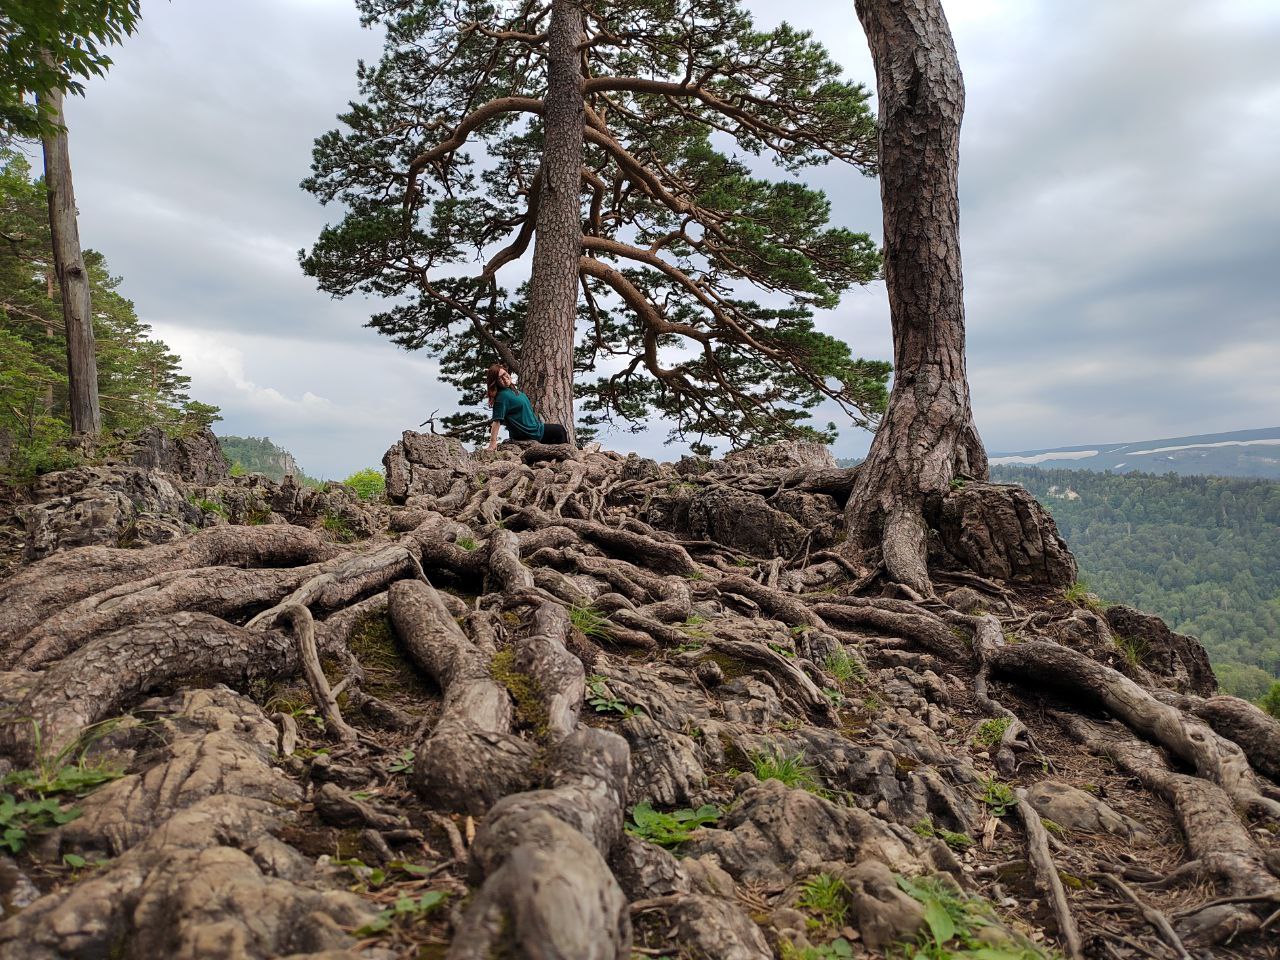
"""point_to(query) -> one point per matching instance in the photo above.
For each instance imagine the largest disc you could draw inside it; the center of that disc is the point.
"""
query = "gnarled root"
(548, 891)
(111, 672)
(1219, 843)
(470, 759)
(1212, 756)
(37, 592)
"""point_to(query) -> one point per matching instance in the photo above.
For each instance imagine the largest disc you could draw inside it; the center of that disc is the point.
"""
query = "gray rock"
(699, 926)
(664, 764)
(1075, 809)
(743, 521)
(785, 453)
(882, 913)
(1003, 533)
(1177, 661)
(775, 834)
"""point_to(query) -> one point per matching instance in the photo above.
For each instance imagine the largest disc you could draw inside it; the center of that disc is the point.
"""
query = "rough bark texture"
(73, 278)
(927, 437)
(546, 354)
(500, 683)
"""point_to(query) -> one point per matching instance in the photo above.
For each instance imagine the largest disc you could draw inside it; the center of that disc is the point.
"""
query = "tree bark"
(73, 278)
(927, 436)
(546, 357)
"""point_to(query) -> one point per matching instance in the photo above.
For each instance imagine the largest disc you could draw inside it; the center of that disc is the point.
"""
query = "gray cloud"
(1118, 214)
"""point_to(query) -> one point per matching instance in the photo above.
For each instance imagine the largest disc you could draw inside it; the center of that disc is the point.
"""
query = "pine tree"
(140, 379)
(616, 140)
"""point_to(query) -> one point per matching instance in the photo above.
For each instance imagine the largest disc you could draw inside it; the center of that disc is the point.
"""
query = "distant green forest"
(260, 455)
(1201, 552)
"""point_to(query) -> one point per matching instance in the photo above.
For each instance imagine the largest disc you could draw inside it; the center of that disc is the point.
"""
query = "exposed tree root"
(1212, 756)
(513, 587)
(1047, 878)
(34, 594)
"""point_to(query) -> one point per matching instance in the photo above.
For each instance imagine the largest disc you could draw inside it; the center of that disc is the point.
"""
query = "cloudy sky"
(1120, 218)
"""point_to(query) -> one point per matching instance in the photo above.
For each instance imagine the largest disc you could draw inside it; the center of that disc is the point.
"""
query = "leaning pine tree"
(607, 138)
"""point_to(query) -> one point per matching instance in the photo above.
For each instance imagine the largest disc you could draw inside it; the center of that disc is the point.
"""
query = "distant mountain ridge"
(1240, 453)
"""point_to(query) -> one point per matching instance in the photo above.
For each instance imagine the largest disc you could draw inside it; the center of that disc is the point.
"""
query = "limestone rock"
(1074, 809)
(423, 464)
(1178, 661)
(745, 521)
(664, 764)
(880, 910)
(700, 927)
(775, 834)
(1003, 533)
(195, 458)
(785, 453)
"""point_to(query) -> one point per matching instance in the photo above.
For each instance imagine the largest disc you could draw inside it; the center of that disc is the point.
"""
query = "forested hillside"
(138, 377)
(1202, 552)
(259, 455)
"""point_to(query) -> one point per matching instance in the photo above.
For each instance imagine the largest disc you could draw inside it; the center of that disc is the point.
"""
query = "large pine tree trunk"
(73, 278)
(546, 357)
(927, 436)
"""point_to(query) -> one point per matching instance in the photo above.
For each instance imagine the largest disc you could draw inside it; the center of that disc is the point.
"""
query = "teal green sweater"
(514, 409)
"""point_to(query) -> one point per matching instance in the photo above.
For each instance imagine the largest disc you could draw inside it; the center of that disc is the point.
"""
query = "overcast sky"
(1119, 210)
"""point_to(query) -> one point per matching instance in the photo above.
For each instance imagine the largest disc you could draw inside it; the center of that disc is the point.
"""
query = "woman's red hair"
(492, 377)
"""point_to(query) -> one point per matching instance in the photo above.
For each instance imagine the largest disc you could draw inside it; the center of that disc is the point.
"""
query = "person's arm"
(493, 435)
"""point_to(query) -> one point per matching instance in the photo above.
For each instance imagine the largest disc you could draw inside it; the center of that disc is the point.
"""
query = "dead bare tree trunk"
(546, 357)
(73, 278)
(927, 436)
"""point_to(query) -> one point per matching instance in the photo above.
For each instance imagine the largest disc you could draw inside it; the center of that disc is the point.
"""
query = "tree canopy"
(139, 378)
(698, 275)
(54, 46)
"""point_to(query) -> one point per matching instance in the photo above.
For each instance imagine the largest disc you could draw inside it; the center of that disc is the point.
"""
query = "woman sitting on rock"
(513, 408)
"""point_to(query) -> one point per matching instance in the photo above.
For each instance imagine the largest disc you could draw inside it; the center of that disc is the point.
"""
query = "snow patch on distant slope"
(1042, 457)
(1275, 441)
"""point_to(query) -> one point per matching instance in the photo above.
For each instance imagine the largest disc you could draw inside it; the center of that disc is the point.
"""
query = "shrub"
(368, 484)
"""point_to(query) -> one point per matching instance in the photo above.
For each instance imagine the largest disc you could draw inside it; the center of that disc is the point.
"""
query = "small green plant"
(403, 763)
(405, 909)
(837, 949)
(782, 649)
(467, 543)
(694, 626)
(954, 923)
(824, 895)
(845, 667)
(1078, 595)
(836, 697)
(957, 483)
(22, 819)
(696, 575)
(338, 527)
(743, 562)
(205, 505)
(589, 621)
(956, 841)
(998, 796)
(991, 732)
(258, 517)
(794, 770)
(669, 829)
(1133, 649)
(368, 484)
(238, 469)
(600, 697)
